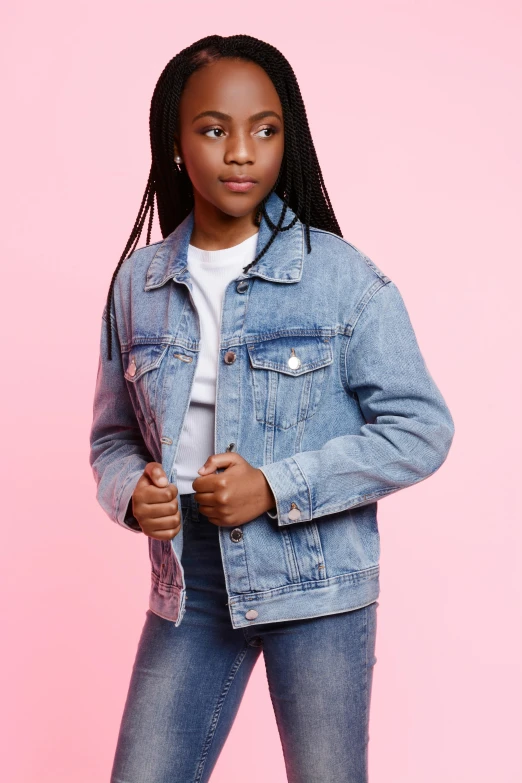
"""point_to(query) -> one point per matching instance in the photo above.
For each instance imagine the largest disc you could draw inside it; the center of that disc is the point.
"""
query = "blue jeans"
(188, 681)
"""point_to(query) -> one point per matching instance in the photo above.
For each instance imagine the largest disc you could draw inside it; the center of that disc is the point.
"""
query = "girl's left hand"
(237, 495)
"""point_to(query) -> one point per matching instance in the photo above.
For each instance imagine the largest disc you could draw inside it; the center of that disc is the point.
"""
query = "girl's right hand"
(155, 504)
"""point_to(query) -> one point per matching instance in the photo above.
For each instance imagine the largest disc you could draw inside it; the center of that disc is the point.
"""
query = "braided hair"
(300, 183)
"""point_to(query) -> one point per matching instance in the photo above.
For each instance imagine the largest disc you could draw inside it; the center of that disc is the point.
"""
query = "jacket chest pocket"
(143, 365)
(288, 376)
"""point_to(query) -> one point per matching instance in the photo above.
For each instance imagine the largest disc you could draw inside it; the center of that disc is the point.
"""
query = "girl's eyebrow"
(220, 116)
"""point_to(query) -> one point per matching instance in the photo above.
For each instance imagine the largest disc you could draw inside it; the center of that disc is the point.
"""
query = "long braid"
(131, 243)
(300, 183)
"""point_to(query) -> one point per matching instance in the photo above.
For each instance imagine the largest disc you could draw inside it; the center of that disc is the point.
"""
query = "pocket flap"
(142, 358)
(291, 355)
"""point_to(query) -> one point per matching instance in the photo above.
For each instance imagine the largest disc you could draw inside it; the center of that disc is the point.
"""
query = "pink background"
(415, 111)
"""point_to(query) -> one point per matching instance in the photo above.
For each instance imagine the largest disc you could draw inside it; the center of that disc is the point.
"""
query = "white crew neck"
(226, 255)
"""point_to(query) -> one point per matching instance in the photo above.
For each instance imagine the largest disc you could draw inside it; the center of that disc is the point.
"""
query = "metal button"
(294, 512)
(251, 614)
(236, 534)
(131, 369)
(230, 357)
(294, 361)
(242, 286)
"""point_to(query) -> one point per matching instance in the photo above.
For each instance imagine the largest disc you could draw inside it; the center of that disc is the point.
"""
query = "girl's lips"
(239, 187)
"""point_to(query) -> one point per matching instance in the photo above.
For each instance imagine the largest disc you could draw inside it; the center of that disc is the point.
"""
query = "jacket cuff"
(291, 492)
(124, 515)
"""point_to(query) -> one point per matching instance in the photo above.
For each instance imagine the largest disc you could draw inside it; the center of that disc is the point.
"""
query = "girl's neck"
(214, 230)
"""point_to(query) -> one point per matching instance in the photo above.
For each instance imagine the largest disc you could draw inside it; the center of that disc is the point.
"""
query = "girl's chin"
(234, 205)
(238, 208)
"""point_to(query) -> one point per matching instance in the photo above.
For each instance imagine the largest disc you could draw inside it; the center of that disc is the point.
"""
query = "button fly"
(230, 357)
(236, 534)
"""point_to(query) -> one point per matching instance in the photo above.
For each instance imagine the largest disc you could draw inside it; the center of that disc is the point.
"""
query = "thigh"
(320, 676)
(187, 682)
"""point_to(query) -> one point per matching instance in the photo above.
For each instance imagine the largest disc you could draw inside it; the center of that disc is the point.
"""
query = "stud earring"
(178, 160)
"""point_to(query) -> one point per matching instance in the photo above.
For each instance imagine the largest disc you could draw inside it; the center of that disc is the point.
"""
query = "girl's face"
(231, 135)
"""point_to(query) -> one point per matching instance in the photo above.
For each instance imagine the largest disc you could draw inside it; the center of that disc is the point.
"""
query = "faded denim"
(187, 683)
(357, 418)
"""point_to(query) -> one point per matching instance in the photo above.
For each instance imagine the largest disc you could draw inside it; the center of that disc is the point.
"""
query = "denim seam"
(217, 712)
(366, 706)
(227, 571)
(246, 566)
(170, 587)
(359, 310)
(131, 475)
(313, 617)
(293, 563)
(240, 392)
(308, 490)
(369, 263)
(350, 577)
(274, 707)
(163, 616)
(354, 502)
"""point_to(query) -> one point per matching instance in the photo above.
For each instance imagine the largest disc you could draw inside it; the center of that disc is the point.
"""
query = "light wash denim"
(321, 384)
(187, 683)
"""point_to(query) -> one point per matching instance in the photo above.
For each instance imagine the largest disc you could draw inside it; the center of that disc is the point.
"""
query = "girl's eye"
(213, 133)
(269, 131)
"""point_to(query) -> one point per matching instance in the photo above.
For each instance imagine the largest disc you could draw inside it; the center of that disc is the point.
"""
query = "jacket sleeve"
(118, 454)
(408, 431)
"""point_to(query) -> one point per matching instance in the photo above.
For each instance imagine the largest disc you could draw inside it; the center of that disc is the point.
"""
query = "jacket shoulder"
(346, 256)
(136, 265)
(131, 277)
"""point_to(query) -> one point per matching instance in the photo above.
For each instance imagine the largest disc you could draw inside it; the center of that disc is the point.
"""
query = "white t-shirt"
(210, 271)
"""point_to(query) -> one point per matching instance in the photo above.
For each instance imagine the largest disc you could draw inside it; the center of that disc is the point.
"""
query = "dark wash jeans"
(188, 681)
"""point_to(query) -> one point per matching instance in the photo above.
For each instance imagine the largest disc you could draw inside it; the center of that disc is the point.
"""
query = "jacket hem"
(300, 601)
(307, 599)
(167, 601)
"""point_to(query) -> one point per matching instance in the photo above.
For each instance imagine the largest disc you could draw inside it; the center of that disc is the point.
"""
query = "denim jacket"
(321, 384)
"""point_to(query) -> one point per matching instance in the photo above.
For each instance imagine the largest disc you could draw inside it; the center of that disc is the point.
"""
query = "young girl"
(260, 388)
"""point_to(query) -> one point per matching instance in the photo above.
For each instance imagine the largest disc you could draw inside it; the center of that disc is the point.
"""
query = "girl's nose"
(240, 149)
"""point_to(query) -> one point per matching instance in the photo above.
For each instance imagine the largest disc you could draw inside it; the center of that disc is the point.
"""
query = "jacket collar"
(282, 262)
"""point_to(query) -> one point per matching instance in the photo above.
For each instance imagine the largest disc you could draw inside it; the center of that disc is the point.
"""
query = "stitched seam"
(279, 719)
(365, 686)
(308, 490)
(369, 295)
(355, 578)
(370, 607)
(217, 712)
(369, 263)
